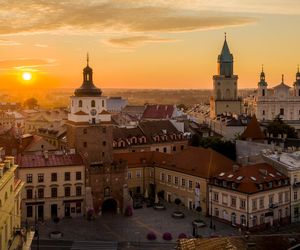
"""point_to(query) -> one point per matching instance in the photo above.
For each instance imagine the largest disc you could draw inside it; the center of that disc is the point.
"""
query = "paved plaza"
(120, 228)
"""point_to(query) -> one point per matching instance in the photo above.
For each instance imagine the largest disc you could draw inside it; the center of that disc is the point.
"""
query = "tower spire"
(282, 78)
(262, 68)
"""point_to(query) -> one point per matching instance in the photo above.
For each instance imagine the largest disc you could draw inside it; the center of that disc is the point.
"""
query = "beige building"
(225, 98)
(54, 186)
(289, 164)
(252, 196)
(10, 203)
(184, 175)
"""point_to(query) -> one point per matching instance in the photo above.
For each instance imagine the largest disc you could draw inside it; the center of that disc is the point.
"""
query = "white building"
(54, 186)
(289, 164)
(280, 100)
(251, 196)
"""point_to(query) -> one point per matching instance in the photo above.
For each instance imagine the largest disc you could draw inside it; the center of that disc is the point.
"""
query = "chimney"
(7, 164)
(11, 159)
(235, 167)
(46, 154)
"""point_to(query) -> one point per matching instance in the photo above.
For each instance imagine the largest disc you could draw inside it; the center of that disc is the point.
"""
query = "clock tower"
(89, 128)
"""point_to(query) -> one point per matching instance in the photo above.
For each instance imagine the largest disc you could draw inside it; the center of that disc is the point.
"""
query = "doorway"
(67, 210)
(109, 205)
(53, 211)
(41, 212)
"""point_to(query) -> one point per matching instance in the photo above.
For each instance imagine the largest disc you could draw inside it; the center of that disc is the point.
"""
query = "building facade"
(225, 97)
(90, 134)
(281, 100)
(54, 186)
(10, 202)
(254, 196)
(289, 164)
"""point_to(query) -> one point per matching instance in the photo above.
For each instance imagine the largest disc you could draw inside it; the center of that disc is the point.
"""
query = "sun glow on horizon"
(27, 76)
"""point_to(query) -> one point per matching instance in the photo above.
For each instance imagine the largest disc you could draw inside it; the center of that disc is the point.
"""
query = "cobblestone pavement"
(135, 228)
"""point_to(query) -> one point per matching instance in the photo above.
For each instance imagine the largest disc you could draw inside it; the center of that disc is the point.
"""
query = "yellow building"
(184, 175)
(10, 203)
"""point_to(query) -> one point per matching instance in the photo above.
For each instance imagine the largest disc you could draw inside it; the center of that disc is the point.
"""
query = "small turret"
(262, 84)
(297, 83)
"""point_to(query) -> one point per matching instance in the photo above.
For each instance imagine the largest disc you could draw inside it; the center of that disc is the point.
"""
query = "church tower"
(297, 83)
(89, 129)
(262, 84)
(225, 97)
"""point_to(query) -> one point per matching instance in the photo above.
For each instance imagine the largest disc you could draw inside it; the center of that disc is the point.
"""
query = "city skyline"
(152, 44)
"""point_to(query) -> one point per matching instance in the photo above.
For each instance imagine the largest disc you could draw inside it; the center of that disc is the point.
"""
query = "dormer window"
(270, 184)
(93, 104)
(80, 104)
(133, 140)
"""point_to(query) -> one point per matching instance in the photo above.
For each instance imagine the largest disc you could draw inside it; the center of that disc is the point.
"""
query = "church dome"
(88, 88)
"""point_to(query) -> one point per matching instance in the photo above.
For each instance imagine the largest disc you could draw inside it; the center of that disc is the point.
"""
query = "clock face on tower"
(93, 112)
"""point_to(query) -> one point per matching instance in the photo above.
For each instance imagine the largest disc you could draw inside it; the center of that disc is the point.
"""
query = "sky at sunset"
(146, 43)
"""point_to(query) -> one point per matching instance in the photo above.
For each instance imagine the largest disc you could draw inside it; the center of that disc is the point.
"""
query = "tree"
(279, 127)
(31, 103)
(226, 148)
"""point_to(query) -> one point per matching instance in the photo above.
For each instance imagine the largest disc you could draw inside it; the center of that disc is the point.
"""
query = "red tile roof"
(81, 113)
(158, 112)
(29, 161)
(253, 130)
(248, 179)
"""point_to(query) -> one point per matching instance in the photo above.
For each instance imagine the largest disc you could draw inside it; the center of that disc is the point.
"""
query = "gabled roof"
(253, 130)
(104, 112)
(158, 112)
(282, 85)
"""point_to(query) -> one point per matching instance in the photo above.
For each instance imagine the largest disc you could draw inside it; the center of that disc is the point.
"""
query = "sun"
(26, 76)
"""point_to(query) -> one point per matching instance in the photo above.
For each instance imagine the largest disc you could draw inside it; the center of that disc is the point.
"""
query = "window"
(80, 104)
(183, 182)
(78, 207)
(254, 220)
(40, 177)
(165, 150)
(162, 176)
(103, 103)
(103, 154)
(106, 192)
(271, 199)
(233, 202)
(138, 173)
(85, 144)
(263, 92)
(67, 176)
(67, 191)
(169, 178)
(176, 180)
(53, 176)
(242, 204)
(261, 202)
(217, 212)
(29, 178)
(190, 184)
(29, 194)
(280, 197)
(78, 176)
(151, 173)
(84, 131)
(295, 195)
(254, 204)
(29, 211)
(286, 196)
(93, 104)
(174, 148)
(216, 196)
(182, 147)
(104, 143)
(264, 112)
(53, 192)
(129, 175)
(40, 193)
(281, 112)
(224, 199)
(78, 191)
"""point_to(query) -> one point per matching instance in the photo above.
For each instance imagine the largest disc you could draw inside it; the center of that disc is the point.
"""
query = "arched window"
(93, 104)
(262, 219)
(80, 104)
(233, 219)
